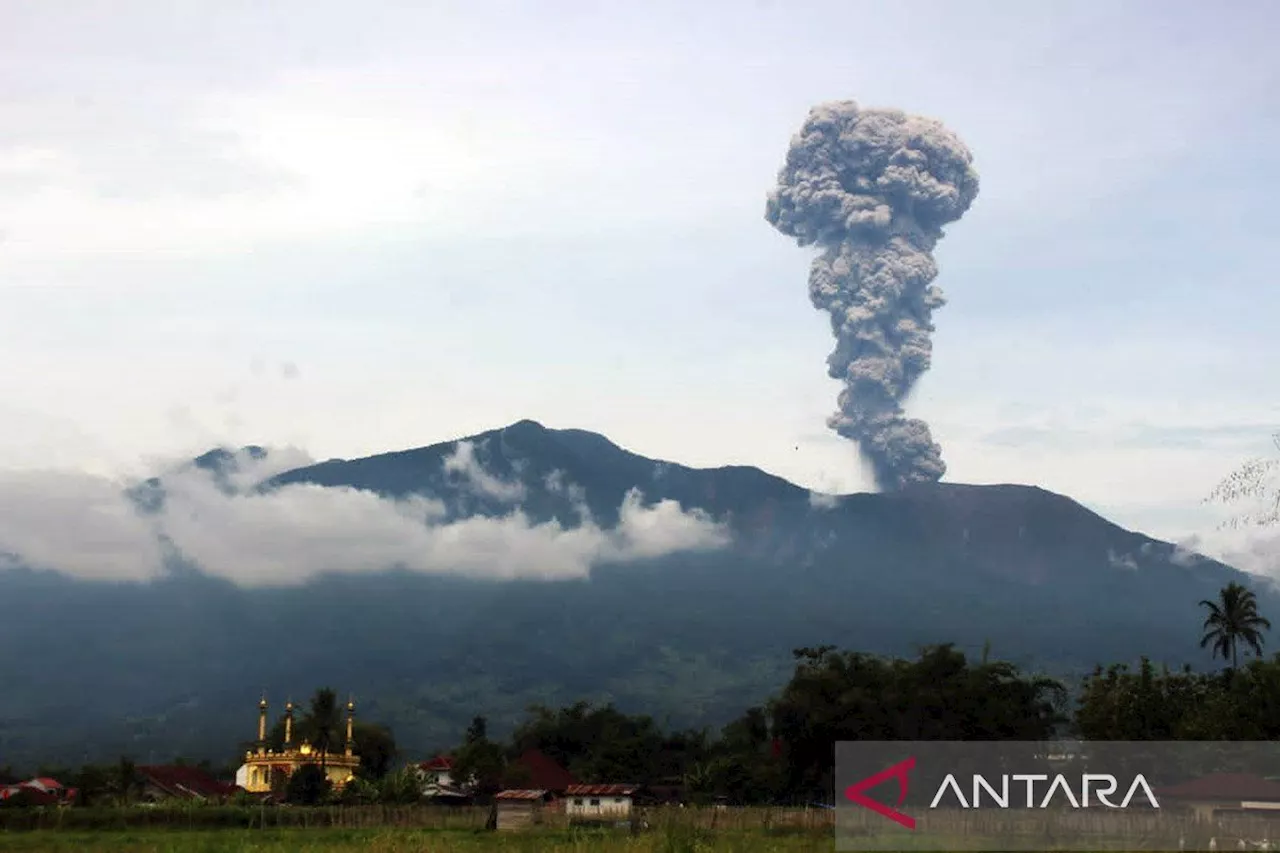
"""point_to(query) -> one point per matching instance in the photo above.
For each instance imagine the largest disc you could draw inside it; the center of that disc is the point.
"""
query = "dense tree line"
(321, 724)
(1120, 703)
(781, 751)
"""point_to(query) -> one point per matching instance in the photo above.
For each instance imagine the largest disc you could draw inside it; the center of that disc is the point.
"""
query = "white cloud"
(308, 154)
(82, 525)
(463, 462)
(1122, 561)
(820, 500)
(664, 528)
(76, 522)
(558, 482)
(245, 470)
(1183, 555)
(1256, 551)
(1248, 501)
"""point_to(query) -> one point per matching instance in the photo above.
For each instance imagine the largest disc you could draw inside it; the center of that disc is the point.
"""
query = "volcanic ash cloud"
(872, 188)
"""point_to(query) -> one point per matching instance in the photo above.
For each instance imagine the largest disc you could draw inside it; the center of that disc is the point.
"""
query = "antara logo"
(898, 771)
(1099, 785)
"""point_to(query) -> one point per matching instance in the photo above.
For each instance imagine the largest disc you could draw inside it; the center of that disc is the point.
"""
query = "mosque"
(265, 770)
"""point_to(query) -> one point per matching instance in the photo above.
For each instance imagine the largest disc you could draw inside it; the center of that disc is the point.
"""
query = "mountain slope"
(175, 666)
(545, 461)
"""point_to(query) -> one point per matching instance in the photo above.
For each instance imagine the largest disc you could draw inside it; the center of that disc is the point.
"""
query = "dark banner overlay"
(1003, 796)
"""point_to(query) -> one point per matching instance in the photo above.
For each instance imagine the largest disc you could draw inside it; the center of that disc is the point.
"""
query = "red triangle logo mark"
(854, 793)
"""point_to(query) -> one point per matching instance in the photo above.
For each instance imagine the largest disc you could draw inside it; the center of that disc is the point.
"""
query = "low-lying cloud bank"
(1251, 550)
(1250, 538)
(87, 526)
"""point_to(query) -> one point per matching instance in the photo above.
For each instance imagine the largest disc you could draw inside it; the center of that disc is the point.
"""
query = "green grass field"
(672, 840)
(214, 829)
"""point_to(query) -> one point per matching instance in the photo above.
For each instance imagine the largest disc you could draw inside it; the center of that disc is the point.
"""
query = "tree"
(359, 792)
(324, 722)
(836, 696)
(477, 730)
(1254, 481)
(1233, 619)
(743, 765)
(402, 787)
(308, 785)
(601, 744)
(479, 762)
(127, 781)
(376, 747)
(1117, 704)
(91, 782)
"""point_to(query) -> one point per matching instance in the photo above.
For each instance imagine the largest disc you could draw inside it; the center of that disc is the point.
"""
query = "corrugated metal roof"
(34, 793)
(601, 790)
(515, 794)
(440, 762)
(190, 782)
(1225, 786)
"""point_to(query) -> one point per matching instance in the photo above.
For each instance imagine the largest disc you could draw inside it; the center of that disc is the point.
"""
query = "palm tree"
(323, 722)
(126, 780)
(1233, 619)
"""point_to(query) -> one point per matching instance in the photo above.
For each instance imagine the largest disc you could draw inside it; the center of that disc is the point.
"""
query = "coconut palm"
(323, 722)
(1233, 619)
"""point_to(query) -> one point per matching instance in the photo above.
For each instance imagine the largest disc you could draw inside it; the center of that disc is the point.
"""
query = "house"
(1222, 792)
(520, 808)
(437, 771)
(534, 769)
(438, 784)
(599, 802)
(173, 782)
(41, 791)
(444, 796)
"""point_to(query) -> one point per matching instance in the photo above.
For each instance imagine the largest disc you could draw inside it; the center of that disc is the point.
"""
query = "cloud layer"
(87, 526)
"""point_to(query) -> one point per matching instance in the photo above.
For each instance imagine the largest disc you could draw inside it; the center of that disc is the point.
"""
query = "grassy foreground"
(677, 839)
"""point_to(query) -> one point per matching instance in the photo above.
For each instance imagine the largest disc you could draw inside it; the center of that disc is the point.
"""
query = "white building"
(438, 771)
(437, 781)
(599, 802)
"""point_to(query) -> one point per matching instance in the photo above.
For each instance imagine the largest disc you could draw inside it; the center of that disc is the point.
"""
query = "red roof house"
(163, 782)
(614, 790)
(600, 802)
(536, 770)
(439, 764)
(1223, 791)
(41, 791)
(1224, 787)
(438, 783)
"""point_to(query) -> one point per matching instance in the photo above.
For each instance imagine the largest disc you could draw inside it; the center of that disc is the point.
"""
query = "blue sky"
(361, 227)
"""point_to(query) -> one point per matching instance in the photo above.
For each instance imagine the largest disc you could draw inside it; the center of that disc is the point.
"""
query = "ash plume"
(873, 188)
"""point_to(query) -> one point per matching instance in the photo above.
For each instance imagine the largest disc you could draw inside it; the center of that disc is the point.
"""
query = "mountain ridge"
(175, 665)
